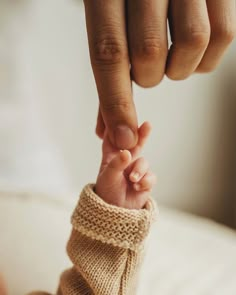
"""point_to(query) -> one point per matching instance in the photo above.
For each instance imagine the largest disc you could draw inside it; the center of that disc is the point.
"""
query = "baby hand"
(124, 179)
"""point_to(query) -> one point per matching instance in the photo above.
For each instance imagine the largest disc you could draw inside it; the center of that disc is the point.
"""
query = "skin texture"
(128, 41)
(125, 179)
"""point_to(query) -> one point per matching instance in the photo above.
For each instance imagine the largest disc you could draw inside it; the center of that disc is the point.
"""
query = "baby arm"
(110, 224)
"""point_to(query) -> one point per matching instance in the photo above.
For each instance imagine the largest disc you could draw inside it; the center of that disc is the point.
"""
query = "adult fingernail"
(124, 137)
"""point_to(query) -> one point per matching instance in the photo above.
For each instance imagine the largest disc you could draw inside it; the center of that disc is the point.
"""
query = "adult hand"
(131, 37)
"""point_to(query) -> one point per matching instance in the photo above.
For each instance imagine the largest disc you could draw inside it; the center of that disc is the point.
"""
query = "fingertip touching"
(125, 156)
(124, 137)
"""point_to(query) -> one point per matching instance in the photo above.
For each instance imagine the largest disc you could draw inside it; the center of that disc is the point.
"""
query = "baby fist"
(125, 180)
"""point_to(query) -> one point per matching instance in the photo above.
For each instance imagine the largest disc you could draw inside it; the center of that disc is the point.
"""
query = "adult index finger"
(110, 62)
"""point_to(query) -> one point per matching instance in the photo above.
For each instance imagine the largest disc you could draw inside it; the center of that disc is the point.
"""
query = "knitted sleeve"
(106, 247)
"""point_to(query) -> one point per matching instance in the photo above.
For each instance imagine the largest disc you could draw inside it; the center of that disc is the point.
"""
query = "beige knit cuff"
(125, 228)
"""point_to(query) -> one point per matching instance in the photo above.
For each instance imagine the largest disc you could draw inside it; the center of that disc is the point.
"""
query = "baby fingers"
(139, 169)
(120, 162)
(146, 182)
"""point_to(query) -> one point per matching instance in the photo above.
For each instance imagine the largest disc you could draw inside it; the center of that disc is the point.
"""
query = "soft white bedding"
(186, 255)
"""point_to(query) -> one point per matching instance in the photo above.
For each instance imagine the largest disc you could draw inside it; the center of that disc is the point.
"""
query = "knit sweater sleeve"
(106, 247)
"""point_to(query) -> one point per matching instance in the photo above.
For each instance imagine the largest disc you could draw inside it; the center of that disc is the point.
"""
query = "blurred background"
(48, 108)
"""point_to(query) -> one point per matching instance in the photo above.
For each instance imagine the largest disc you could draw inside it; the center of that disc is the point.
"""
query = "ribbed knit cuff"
(125, 228)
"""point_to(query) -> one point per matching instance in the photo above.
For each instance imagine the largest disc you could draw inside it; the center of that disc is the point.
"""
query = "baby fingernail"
(135, 176)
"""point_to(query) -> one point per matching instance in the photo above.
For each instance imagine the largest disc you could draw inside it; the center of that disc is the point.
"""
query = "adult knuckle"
(224, 34)
(197, 37)
(151, 48)
(108, 48)
(199, 40)
(117, 104)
